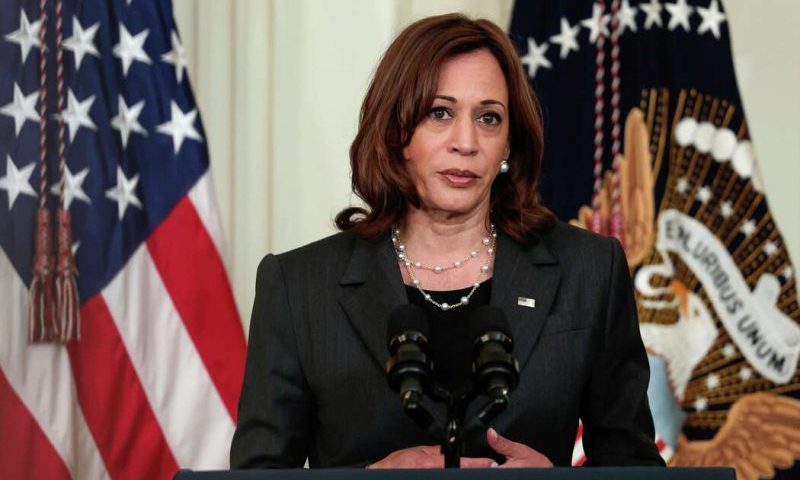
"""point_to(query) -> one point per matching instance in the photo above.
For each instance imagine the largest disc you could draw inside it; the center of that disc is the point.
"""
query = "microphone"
(495, 370)
(408, 369)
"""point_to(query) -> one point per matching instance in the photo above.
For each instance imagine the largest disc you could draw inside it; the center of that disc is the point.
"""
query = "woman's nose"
(464, 137)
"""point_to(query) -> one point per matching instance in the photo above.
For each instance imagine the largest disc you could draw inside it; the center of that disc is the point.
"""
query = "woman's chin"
(454, 208)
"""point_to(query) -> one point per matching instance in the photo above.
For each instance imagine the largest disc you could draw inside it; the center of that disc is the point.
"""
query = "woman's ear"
(507, 150)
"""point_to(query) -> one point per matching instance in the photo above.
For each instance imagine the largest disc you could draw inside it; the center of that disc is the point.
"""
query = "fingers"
(413, 457)
(470, 462)
(429, 462)
(517, 455)
(430, 457)
(433, 450)
(502, 445)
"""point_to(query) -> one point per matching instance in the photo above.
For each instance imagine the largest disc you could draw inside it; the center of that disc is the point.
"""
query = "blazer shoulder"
(584, 255)
(565, 239)
(326, 251)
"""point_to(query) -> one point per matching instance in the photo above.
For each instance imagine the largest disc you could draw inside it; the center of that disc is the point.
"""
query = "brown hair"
(399, 98)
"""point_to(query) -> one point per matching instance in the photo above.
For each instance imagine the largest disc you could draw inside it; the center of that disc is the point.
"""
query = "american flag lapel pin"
(526, 302)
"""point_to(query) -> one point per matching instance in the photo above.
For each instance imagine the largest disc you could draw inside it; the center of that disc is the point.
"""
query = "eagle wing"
(635, 192)
(762, 432)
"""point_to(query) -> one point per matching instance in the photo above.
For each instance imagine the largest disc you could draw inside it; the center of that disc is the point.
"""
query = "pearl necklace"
(488, 243)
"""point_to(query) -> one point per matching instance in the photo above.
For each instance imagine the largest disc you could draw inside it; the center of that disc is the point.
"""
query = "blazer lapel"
(519, 274)
(375, 288)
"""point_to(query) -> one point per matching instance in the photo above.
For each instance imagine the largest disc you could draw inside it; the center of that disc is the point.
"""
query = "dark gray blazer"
(314, 383)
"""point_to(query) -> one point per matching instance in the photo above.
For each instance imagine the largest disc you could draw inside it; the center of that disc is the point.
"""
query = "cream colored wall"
(765, 42)
(279, 84)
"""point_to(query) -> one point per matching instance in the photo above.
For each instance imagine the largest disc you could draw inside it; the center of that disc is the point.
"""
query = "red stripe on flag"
(25, 451)
(195, 277)
(578, 438)
(114, 404)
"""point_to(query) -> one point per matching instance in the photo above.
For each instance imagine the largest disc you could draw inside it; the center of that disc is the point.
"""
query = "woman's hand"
(426, 457)
(517, 455)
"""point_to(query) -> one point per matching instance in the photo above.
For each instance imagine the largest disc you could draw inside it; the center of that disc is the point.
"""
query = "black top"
(451, 347)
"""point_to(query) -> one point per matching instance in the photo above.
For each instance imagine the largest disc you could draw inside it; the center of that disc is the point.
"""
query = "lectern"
(582, 473)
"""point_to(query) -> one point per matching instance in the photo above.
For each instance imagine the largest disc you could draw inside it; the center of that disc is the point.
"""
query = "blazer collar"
(376, 288)
(524, 285)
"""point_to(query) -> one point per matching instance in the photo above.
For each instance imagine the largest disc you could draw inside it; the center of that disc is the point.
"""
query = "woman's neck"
(433, 239)
(440, 235)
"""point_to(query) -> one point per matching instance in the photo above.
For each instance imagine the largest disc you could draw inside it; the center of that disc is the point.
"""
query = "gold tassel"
(67, 302)
(43, 325)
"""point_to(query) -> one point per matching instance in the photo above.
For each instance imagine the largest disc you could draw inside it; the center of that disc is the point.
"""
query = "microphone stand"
(495, 371)
(412, 405)
(451, 435)
(497, 403)
(453, 444)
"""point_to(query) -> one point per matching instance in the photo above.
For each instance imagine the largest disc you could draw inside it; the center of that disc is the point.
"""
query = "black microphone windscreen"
(407, 317)
(487, 318)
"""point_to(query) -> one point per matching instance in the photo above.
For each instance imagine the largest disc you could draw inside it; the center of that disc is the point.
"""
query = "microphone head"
(487, 318)
(496, 371)
(407, 318)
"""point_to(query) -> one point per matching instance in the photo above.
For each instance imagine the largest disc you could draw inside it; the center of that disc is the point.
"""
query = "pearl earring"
(504, 167)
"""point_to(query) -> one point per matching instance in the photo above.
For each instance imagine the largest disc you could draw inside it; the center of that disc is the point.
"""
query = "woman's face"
(455, 153)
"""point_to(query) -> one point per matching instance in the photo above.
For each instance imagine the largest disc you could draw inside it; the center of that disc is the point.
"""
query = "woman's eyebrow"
(488, 101)
(491, 101)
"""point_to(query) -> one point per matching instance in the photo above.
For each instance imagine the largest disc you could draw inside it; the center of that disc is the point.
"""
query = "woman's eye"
(490, 118)
(440, 113)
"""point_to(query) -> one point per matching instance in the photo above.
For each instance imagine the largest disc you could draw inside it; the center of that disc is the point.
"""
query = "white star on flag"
(653, 12)
(180, 126)
(81, 42)
(712, 19)
(745, 374)
(76, 114)
(679, 14)
(22, 108)
(626, 17)
(682, 185)
(127, 120)
(787, 272)
(728, 350)
(704, 194)
(176, 56)
(748, 228)
(17, 182)
(535, 57)
(770, 248)
(131, 48)
(73, 187)
(27, 36)
(596, 23)
(567, 39)
(124, 192)
(700, 404)
(726, 209)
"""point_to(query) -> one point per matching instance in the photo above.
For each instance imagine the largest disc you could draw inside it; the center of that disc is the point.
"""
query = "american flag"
(152, 384)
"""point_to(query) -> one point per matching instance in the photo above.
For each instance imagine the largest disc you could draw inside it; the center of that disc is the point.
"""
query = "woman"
(446, 158)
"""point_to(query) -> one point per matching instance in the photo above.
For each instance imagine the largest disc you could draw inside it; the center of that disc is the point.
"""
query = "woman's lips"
(459, 178)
